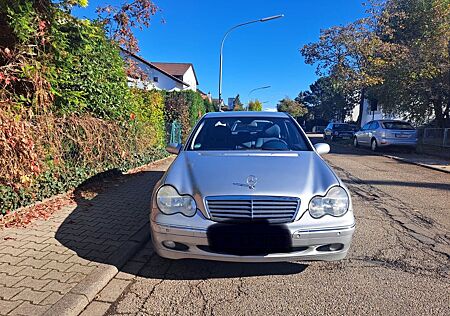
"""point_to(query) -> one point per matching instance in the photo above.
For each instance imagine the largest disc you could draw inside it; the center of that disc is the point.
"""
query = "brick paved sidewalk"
(43, 262)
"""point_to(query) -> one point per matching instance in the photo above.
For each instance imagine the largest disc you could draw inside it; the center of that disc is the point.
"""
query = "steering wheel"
(275, 144)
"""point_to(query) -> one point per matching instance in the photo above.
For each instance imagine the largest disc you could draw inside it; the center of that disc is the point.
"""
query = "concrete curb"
(405, 160)
(74, 302)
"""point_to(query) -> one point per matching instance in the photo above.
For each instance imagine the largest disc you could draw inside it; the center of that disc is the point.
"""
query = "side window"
(375, 125)
(366, 126)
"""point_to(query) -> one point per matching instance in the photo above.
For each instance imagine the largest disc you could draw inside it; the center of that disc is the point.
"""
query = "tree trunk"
(361, 107)
(438, 112)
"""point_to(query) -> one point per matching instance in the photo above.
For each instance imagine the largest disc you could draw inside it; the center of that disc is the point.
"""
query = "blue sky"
(257, 55)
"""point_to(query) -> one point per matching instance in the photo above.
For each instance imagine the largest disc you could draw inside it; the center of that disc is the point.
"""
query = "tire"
(374, 145)
(355, 142)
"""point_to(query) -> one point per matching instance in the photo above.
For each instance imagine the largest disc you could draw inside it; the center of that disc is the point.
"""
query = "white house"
(369, 115)
(181, 71)
(162, 76)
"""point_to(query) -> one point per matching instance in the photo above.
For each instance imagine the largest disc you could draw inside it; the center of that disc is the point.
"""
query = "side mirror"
(322, 148)
(173, 148)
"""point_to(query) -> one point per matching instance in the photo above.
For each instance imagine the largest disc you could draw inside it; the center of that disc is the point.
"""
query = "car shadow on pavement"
(113, 207)
(110, 210)
(189, 269)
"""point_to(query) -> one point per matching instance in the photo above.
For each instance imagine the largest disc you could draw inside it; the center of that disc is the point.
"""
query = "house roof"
(152, 65)
(201, 92)
(176, 69)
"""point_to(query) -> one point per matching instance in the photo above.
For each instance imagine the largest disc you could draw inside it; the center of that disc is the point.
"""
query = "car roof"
(401, 121)
(256, 114)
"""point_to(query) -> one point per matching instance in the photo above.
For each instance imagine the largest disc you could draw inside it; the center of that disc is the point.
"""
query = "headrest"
(273, 131)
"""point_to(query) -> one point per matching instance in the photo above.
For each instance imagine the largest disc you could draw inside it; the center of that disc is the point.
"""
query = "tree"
(398, 55)
(292, 107)
(255, 105)
(352, 55)
(121, 21)
(418, 82)
(237, 104)
(326, 101)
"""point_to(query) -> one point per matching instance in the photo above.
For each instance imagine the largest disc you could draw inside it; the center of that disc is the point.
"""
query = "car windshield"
(342, 127)
(248, 133)
(397, 125)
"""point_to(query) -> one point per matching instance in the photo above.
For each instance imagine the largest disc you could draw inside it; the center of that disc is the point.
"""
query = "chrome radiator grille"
(252, 208)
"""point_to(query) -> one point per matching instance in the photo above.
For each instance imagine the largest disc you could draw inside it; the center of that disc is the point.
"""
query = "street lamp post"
(221, 48)
(251, 91)
(260, 88)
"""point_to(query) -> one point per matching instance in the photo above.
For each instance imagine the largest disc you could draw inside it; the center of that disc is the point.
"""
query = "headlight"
(171, 202)
(334, 203)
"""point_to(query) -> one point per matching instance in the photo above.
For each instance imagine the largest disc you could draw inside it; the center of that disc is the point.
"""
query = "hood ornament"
(251, 182)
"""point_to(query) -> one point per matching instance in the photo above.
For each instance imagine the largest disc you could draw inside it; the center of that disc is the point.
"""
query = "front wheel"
(355, 142)
(374, 145)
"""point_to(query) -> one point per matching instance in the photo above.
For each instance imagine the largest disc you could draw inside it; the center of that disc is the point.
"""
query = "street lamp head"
(271, 18)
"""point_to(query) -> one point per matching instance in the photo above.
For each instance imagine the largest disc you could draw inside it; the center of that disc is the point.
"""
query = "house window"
(155, 79)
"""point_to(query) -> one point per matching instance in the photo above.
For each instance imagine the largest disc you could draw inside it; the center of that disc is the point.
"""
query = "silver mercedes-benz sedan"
(250, 187)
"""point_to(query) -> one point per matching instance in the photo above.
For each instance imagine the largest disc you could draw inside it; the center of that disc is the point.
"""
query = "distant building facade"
(371, 112)
(162, 76)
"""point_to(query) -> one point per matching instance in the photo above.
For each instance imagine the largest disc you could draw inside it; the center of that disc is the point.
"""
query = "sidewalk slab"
(58, 266)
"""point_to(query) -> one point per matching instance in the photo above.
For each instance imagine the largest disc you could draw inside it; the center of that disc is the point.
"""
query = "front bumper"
(307, 244)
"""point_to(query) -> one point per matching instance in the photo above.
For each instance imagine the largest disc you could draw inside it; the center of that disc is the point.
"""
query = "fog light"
(336, 247)
(330, 247)
(169, 244)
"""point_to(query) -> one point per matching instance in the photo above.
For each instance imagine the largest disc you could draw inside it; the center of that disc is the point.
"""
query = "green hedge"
(86, 71)
(76, 115)
(186, 107)
(70, 150)
(149, 111)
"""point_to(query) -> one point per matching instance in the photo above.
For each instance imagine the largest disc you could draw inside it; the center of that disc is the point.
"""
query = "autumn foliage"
(66, 111)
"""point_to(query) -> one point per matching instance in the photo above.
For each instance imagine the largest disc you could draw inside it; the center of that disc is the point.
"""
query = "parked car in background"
(354, 128)
(381, 133)
(334, 131)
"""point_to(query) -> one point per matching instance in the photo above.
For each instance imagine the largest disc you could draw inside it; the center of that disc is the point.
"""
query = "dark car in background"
(335, 131)
(381, 133)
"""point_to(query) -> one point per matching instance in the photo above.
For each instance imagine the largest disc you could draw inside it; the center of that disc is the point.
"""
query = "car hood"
(203, 174)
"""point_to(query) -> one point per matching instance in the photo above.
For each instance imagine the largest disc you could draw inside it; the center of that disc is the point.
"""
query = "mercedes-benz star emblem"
(251, 181)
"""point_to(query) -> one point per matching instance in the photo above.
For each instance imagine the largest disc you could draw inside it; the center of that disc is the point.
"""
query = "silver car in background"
(382, 133)
(250, 187)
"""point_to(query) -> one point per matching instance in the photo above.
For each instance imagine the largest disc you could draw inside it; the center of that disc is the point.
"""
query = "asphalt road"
(398, 263)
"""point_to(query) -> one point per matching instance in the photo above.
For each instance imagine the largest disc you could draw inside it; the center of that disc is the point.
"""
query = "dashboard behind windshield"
(248, 133)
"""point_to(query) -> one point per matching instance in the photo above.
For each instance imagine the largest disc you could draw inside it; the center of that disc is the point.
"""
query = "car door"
(372, 131)
(362, 135)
